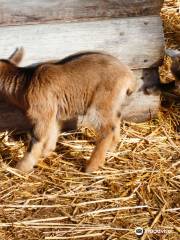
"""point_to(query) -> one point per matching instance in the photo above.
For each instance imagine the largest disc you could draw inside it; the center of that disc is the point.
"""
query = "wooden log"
(138, 40)
(18, 12)
(140, 107)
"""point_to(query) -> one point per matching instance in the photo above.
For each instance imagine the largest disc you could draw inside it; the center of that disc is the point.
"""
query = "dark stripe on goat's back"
(5, 61)
(75, 56)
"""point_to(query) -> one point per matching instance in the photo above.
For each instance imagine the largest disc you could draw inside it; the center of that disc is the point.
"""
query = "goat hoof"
(25, 166)
(46, 153)
(90, 168)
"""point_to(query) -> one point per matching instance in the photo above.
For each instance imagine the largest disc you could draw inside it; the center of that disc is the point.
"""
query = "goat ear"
(17, 56)
(172, 53)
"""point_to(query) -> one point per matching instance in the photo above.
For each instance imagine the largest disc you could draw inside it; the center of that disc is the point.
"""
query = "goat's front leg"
(41, 132)
(32, 156)
(51, 139)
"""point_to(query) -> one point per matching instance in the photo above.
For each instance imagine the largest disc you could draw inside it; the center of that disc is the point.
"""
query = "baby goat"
(90, 84)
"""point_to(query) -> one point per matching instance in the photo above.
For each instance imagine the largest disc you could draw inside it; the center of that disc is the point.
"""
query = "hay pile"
(138, 187)
(170, 14)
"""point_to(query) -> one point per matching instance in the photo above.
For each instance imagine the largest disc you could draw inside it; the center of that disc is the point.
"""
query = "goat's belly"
(64, 113)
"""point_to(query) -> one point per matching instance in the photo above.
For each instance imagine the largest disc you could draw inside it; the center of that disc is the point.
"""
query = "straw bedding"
(138, 187)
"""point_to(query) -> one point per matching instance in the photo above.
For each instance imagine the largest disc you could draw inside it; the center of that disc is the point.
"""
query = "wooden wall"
(48, 29)
(52, 29)
(18, 12)
(137, 40)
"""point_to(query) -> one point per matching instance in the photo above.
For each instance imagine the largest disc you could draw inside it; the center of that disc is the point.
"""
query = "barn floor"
(138, 187)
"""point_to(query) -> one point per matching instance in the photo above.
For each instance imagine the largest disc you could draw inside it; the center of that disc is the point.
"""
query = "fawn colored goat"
(90, 84)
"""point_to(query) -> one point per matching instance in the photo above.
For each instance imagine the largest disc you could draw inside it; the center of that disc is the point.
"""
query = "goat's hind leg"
(107, 137)
(116, 134)
(103, 143)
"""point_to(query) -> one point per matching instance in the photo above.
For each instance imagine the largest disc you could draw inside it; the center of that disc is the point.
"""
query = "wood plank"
(18, 12)
(138, 41)
(139, 107)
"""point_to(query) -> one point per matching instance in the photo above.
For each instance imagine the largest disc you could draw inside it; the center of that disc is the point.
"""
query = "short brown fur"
(93, 85)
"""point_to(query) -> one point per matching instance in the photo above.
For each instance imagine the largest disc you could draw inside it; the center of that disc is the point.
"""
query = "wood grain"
(138, 108)
(18, 12)
(138, 41)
